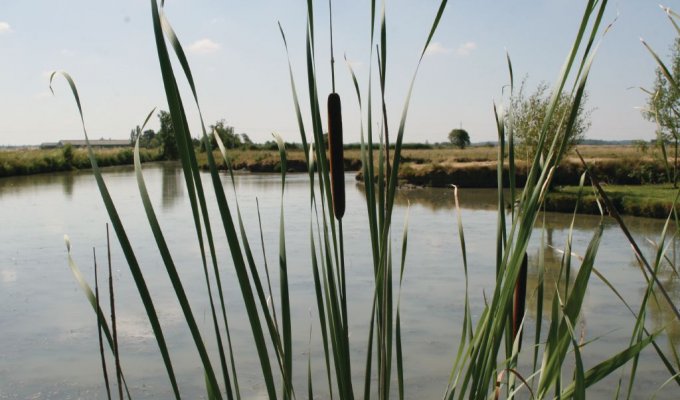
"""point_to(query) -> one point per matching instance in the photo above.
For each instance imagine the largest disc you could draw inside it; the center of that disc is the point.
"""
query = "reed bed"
(486, 362)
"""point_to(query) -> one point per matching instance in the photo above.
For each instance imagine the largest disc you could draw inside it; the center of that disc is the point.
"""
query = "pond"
(48, 330)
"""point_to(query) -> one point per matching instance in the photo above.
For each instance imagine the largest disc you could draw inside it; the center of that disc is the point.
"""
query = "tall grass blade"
(193, 167)
(626, 232)
(310, 388)
(400, 362)
(283, 278)
(177, 285)
(466, 329)
(116, 353)
(557, 345)
(91, 298)
(666, 72)
(659, 352)
(638, 330)
(99, 328)
(125, 244)
(296, 102)
(605, 368)
(190, 165)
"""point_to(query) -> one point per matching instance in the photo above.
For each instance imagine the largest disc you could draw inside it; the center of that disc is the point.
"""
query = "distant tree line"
(164, 139)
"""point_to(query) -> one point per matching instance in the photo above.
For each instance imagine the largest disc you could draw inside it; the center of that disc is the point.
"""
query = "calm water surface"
(49, 346)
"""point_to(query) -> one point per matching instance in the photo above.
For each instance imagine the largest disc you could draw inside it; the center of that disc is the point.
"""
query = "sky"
(240, 66)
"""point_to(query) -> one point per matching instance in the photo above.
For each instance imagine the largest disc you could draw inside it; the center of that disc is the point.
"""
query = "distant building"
(101, 143)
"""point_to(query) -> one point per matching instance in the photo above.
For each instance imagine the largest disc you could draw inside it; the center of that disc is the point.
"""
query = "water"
(48, 333)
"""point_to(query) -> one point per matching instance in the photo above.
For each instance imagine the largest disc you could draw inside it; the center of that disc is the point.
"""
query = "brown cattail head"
(519, 299)
(337, 156)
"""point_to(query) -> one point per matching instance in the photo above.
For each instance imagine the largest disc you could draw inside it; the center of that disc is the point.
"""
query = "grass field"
(37, 161)
(638, 200)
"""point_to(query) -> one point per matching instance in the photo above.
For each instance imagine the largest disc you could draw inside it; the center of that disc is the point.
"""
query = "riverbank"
(270, 161)
(622, 165)
(651, 201)
(633, 179)
(38, 161)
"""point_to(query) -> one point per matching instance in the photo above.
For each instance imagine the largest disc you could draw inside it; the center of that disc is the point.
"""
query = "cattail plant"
(337, 157)
(518, 305)
(476, 372)
(335, 145)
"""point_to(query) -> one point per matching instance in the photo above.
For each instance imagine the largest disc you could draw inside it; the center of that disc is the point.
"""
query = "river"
(48, 333)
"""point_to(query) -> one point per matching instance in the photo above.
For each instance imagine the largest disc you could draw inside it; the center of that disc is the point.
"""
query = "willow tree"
(663, 106)
(528, 115)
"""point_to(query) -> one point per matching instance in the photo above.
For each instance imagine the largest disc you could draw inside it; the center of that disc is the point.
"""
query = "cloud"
(436, 48)
(5, 28)
(466, 48)
(204, 46)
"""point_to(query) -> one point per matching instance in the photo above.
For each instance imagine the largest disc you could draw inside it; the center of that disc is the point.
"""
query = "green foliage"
(642, 146)
(651, 201)
(226, 133)
(459, 138)
(247, 143)
(67, 152)
(147, 139)
(166, 137)
(663, 104)
(38, 161)
(135, 133)
(529, 114)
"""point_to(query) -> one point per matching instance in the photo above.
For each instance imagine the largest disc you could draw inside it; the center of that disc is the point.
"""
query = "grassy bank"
(38, 161)
(270, 161)
(624, 165)
(653, 201)
(470, 167)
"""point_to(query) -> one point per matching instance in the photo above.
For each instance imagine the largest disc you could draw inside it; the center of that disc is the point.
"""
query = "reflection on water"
(50, 341)
(68, 184)
(660, 312)
(173, 188)
(442, 199)
(557, 278)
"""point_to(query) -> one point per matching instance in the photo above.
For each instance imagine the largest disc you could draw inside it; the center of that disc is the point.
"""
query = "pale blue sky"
(240, 68)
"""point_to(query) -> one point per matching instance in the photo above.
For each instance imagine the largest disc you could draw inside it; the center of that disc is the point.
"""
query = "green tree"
(67, 153)
(459, 138)
(247, 142)
(135, 133)
(663, 106)
(148, 139)
(226, 133)
(166, 137)
(528, 115)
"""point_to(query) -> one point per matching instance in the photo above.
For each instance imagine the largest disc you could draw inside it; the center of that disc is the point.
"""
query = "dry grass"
(36, 161)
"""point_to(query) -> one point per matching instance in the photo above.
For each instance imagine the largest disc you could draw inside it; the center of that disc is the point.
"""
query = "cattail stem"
(519, 300)
(330, 18)
(99, 327)
(119, 373)
(386, 130)
(337, 156)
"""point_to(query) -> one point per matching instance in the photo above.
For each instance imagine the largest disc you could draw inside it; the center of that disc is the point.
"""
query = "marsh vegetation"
(499, 351)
